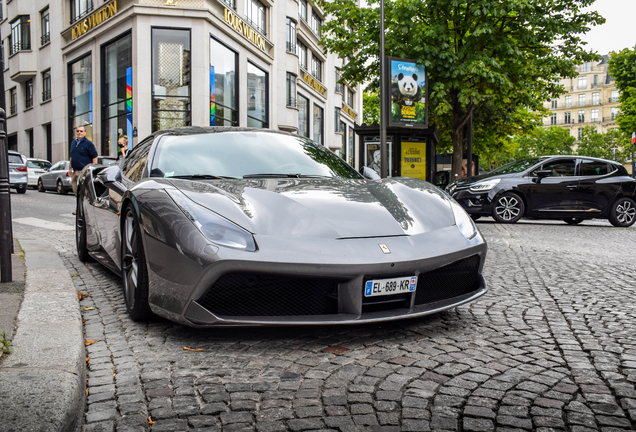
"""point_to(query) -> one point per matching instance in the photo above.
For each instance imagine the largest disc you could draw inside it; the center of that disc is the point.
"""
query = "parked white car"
(36, 167)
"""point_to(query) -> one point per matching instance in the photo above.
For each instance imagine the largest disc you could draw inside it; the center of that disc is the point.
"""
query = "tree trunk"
(458, 153)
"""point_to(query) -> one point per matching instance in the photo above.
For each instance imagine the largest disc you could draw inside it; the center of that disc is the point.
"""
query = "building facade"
(131, 67)
(591, 99)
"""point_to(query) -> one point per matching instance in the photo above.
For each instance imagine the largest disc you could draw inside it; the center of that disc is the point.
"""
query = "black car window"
(517, 166)
(592, 168)
(15, 159)
(135, 162)
(561, 167)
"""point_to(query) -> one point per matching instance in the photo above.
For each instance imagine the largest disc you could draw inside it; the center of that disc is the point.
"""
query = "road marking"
(41, 223)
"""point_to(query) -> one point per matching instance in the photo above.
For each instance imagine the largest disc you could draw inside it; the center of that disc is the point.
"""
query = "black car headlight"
(215, 228)
(484, 185)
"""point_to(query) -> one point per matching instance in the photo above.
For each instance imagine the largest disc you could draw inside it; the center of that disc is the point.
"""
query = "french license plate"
(381, 287)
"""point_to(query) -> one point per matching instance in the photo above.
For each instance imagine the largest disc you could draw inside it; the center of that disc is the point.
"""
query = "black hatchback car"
(571, 188)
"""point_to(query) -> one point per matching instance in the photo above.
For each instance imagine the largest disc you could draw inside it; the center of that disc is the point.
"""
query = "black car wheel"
(80, 231)
(509, 208)
(22, 188)
(133, 268)
(60, 188)
(573, 221)
(41, 186)
(623, 213)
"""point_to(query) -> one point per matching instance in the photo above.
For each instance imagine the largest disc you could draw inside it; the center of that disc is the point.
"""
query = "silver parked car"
(56, 179)
(17, 172)
(36, 167)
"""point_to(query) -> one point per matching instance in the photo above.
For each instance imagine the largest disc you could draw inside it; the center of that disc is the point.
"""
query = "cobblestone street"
(551, 346)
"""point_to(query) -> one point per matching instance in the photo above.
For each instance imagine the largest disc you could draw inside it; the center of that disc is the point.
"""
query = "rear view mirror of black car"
(543, 173)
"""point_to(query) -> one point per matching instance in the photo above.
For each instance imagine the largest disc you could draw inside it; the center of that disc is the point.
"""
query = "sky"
(619, 30)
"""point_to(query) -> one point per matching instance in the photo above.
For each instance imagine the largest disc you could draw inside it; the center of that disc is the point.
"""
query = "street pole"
(6, 231)
(383, 98)
(633, 162)
(469, 149)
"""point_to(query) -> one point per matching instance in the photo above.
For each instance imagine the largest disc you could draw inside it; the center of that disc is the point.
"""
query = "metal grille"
(253, 294)
(461, 277)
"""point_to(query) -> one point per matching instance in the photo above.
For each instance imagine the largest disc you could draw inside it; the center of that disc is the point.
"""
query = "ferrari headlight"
(463, 221)
(215, 228)
(485, 185)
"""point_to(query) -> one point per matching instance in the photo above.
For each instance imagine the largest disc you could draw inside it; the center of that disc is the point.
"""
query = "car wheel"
(134, 271)
(573, 221)
(60, 188)
(80, 231)
(41, 186)
(21, 189)
(623, 213)
(509, 208)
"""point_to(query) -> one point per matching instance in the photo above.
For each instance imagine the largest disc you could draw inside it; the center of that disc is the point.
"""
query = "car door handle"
(572, 187)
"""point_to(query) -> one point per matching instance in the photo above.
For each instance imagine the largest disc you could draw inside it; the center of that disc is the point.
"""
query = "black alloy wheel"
(41, 186)
(573, 221)
(80, 231)
(623, 213)
(134, 272)
(21, 189)
(509, 208)
(60, 188)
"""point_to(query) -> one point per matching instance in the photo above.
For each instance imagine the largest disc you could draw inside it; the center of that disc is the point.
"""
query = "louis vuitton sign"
(93, 20)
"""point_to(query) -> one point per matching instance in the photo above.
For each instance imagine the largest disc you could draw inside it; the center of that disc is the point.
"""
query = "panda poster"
(409, 90)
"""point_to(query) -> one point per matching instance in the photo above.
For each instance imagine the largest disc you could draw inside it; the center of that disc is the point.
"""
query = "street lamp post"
(383, 98)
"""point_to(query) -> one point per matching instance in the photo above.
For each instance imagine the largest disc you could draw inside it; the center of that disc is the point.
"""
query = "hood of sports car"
(325, 208)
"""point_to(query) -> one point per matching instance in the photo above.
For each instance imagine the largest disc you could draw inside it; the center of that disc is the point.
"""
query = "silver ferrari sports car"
(213, 226)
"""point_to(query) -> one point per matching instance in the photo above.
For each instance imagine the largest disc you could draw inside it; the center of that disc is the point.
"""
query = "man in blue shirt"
(83, 152)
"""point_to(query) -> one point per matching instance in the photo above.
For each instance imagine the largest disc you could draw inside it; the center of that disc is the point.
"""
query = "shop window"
(291, 36)
(316, 67)
(117, 94)
(45, 27)
(255, 14)
(170, 78)
(80, 78)
(79, 9)
(257, 98)
(223, 85)
(13, 101)
(46, 85)
(302, 10)
(302, 55)
(28, 94)
(343, 142)
(318, 124)
(316, 22)
(290, 90)
(20, 38)
(303, 116)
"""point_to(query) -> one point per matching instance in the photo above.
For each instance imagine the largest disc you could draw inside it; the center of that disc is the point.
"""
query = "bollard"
(6, 232)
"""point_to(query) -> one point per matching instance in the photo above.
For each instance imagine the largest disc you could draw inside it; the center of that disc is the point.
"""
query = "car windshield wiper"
(283, 175)
(200, 176)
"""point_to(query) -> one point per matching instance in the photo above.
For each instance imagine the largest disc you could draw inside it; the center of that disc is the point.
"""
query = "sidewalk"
(43, 379)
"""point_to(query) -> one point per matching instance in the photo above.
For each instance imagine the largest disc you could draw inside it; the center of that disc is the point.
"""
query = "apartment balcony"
(23, 65)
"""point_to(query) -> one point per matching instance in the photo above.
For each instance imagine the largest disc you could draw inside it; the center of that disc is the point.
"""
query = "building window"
(318, 124)
(1, 10)
(290, 90)
(230, 3)
(579, 133)
(595, 98)
(350, 150)
(257, 100)
(20, 38)
(554, 103)
(614, 97)
(170, 78)
(28, 94)
(582, 82)
(2, 55)
(255, 15)
(614, 112)
(351, 97)
(316, 22)
(595, 81)
(46, 27)
(223, 85)
(343, 142)
(594, 116)
(302, 10)
(302, 55)
(553, 119)
(339, 85)
(568, 101)
(291, 36)
(337, 120)
(79, 9)
(581, 100)
(46, 85)
(13, 101)
(567, 117)
(586, 67)
(29, 133)
(581, 116)
(116, 95)
(303, 116)
(316, 67)
(80, 91)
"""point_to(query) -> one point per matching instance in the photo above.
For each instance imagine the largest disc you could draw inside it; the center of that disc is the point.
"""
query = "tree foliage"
(622, 67)
(613, 144)
(497, 58)
(551, 141)
(371, 104)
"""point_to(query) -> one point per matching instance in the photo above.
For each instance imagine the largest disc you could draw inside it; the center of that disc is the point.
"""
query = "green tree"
(622, 67)
(371, 104)
(551, 141)
(502, 56)
(612, 145)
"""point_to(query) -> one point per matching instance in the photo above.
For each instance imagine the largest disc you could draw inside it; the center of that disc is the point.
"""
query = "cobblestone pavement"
(552, 346)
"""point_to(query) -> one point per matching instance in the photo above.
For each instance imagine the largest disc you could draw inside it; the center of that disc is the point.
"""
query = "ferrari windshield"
(246, 154)
(517, 166)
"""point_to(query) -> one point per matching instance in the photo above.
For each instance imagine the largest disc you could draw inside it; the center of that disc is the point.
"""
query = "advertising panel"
(409, 93)
(372, 156)
(413, 160)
